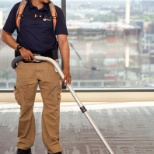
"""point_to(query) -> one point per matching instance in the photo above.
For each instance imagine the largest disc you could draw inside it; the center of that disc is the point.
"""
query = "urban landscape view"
(111, 43)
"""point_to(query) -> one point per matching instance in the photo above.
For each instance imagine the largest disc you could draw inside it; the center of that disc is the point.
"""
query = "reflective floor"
(127, 127)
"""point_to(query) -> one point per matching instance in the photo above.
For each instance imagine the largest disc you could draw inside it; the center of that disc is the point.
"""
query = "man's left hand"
(67, 76)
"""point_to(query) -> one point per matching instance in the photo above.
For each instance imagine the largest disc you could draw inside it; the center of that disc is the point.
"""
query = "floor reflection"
(128, 128)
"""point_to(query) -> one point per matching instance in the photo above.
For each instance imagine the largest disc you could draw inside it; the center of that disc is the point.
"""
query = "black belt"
(50, 53)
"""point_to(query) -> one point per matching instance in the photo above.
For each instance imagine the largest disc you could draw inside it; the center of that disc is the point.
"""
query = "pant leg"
(25, 91)
(50, 90)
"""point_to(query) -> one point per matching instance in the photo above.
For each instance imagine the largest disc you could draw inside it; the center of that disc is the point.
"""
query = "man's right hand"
(27, 54)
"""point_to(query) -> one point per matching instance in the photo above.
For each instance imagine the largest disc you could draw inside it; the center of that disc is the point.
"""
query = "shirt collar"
(31, 6)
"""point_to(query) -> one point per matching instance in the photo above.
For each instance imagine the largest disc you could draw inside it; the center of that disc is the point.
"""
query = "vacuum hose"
(15, 61)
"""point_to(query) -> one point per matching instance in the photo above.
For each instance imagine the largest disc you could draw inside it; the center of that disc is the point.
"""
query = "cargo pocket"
(17, 94)
(57, 94)
(59, 97)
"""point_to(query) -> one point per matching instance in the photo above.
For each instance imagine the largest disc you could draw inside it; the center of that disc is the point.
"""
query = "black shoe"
(21, 151)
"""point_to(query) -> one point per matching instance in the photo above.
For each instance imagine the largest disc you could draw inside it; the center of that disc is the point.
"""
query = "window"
(112, 44)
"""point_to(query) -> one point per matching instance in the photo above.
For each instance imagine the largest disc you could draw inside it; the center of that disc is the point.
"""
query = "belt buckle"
(36, 61)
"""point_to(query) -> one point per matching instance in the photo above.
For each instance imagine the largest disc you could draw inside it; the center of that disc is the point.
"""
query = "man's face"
(45, 1)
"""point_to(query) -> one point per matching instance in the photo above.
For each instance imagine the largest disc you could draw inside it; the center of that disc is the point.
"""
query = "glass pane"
(7, 75)
(112, 43)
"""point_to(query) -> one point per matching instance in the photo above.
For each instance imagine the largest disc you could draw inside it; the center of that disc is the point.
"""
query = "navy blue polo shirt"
(36, 34)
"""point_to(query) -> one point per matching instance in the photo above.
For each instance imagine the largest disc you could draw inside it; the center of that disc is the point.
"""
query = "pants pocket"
(17, 94)
(58, 93)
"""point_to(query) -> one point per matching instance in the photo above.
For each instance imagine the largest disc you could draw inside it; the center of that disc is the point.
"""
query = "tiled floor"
(127, 127)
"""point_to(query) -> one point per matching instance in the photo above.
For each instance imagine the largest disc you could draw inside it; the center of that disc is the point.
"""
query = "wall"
(92, 96)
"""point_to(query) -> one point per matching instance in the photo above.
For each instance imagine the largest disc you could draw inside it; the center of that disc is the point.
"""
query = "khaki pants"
(29, 76)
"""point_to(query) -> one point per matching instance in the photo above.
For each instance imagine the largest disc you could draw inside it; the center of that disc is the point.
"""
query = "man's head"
(40, 1)
(45, 1)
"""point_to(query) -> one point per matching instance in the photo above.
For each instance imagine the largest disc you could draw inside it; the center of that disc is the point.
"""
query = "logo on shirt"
(47, 19)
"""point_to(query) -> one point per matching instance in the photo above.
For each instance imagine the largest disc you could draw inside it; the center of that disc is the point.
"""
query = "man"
(37, 36)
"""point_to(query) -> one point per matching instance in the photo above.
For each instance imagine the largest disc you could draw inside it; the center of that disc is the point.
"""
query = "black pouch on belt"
(51, 53)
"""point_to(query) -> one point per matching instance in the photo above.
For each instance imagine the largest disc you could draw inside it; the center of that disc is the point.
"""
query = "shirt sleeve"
(10, 23)
(61, 27)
